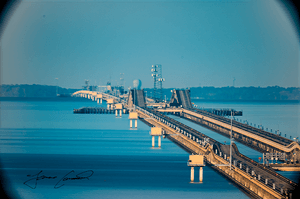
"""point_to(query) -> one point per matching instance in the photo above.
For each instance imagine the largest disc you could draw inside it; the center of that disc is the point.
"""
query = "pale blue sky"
(198, 43)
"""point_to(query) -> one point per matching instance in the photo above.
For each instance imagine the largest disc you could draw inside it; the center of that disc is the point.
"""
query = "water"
(283, 116)
(47, 136)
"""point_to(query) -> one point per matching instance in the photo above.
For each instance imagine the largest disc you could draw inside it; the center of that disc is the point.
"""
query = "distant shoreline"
(76, 99)
(224, 94)
(258, 101)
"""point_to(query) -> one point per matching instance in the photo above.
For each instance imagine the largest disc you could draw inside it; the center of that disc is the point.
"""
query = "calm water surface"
(119, 163)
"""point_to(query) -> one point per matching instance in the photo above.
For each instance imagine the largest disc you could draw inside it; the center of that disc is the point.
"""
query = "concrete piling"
(192, 174)
(201, 174)
(153, 141)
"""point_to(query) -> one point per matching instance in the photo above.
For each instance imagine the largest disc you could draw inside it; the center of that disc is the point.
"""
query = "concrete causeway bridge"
(252, 137)
(255, 179)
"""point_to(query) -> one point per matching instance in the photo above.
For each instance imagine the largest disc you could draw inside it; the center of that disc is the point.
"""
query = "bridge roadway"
(94, 95)
(246, 173)
(255, 138)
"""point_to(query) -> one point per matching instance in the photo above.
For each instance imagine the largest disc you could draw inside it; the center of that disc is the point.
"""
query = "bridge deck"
(281, 144)
(174, 131)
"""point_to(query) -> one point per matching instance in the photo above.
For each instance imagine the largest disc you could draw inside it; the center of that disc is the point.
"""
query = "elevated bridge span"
(255, 138)
(256, 180)
(95, 96)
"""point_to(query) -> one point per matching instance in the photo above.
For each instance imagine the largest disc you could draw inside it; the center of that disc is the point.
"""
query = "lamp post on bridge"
(230, 141)
(56, 86)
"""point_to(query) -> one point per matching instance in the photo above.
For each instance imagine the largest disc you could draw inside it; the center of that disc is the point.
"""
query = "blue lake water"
(46, 136)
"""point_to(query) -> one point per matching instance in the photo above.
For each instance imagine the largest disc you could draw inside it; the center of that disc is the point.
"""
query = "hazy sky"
(198, 43)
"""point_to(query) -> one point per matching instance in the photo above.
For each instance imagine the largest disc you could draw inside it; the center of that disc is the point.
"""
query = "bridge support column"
(133, 116)
(120, 113)
(192, 174)
(108, 106)
(159, 141)
(201, 174)
(101, 101)
(135, 124)
(196, 161)
(116, 113)
(153, 141)
(156, 131)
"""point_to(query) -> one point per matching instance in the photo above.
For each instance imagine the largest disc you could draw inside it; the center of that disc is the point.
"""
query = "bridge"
(255, 179)
(255, 138)
(252, 137)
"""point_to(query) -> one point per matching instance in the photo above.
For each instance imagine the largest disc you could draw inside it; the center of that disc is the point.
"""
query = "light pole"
(56, 86)
(230, 142)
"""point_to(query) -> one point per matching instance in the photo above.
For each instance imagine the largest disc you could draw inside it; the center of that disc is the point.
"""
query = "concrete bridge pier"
(196, 161)
(156, 132)
(99, 100)
(135, 124)
(201, 174)
(192, 174)
(153, 141)
(133, 116)
(159, 141)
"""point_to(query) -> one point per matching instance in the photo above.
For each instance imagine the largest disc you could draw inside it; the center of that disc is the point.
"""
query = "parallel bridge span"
(255, 138)
(255, 179)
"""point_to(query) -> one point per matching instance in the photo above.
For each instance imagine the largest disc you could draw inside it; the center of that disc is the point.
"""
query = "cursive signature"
(32, 182)
(80, 176)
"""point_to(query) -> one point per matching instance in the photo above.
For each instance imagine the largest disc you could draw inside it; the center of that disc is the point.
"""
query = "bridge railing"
(246, 168)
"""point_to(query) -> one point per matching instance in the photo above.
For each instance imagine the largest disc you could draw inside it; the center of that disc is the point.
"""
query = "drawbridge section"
(136, 97)
(181, 98)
